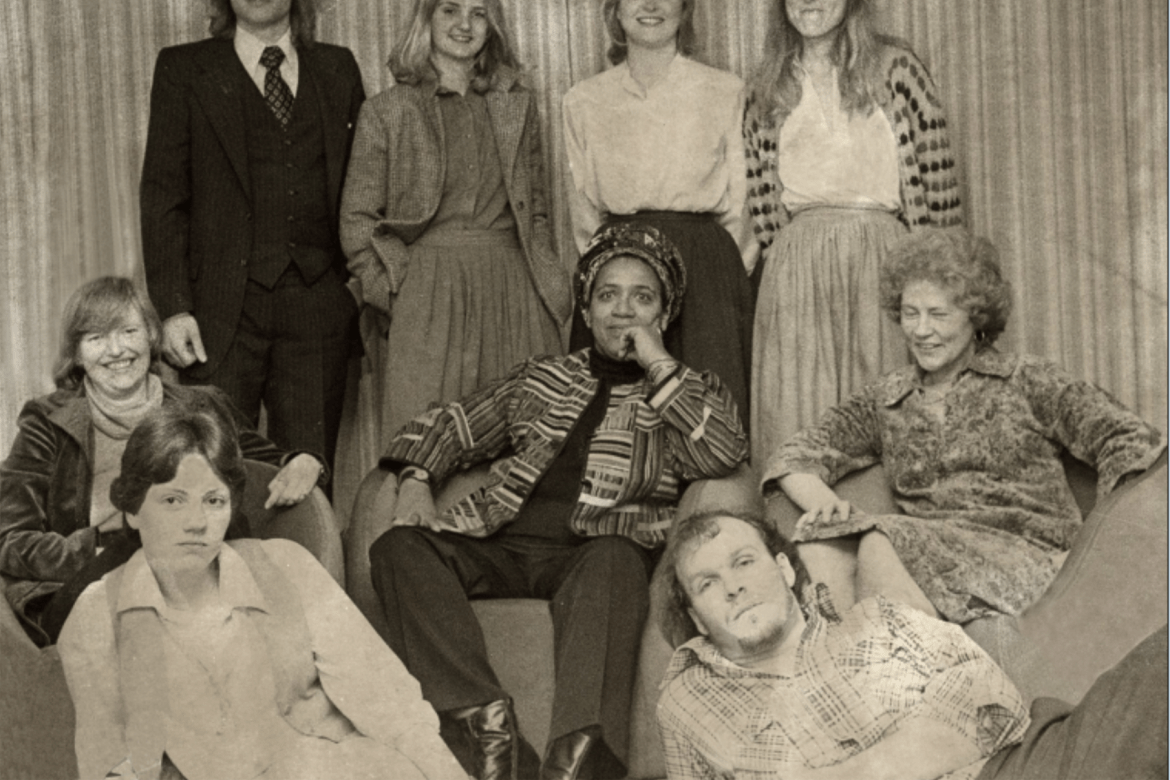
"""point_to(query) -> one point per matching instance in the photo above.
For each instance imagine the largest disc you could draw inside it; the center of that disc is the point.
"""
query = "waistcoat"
(290, 216)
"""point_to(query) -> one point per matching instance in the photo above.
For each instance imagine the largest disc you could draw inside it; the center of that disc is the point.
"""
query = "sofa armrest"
(36, 713)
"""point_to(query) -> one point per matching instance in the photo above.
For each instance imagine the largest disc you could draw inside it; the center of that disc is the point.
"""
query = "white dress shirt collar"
(249, 49)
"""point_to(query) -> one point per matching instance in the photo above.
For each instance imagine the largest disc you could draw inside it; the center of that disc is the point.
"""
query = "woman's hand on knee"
(416, 506)
(826, 513)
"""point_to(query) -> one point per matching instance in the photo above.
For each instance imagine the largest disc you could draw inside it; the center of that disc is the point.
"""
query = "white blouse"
(827, 157)
(677, 146)
(223, 720)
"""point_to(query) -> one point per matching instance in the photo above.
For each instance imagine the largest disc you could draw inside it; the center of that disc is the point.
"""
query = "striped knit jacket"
(652, 440)
(926, 166)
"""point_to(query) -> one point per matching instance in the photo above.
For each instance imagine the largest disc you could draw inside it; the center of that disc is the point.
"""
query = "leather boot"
(567, 757)
(494, 742)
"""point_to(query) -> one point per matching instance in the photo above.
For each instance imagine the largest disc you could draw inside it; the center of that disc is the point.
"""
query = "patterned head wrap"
(633, 239)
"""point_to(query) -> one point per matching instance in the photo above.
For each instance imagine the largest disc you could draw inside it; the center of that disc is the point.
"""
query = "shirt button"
(291, 218)
(289, 165)
(292, 244)
(292, 192)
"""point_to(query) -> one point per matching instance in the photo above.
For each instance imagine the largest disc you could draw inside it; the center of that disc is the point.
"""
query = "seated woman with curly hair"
(971, 441)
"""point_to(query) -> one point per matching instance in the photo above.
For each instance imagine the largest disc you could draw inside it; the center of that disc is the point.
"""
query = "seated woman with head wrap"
(589, 453)
(203, 660)
(971, 441)
(58, 530)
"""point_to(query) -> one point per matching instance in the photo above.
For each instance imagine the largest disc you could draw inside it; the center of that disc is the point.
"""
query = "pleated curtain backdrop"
(1057, 110)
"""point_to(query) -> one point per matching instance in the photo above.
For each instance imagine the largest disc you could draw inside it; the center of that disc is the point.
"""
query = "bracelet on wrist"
(414, 472)
(661, 368)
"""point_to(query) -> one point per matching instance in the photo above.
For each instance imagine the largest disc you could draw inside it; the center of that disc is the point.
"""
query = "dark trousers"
(291, 352)
(1117, 732)
(599, 596)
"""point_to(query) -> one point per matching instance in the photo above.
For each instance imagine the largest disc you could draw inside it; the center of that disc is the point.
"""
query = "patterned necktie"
(276, 91)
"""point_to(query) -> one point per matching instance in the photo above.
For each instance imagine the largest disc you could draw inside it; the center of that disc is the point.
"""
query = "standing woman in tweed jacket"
(444, 218)
(847, 149)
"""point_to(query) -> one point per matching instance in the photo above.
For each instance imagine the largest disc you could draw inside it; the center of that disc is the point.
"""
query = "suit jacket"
(196, 197)
(396, 179)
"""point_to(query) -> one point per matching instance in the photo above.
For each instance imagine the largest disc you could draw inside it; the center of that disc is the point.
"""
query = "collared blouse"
(677, 146)
(222, 716)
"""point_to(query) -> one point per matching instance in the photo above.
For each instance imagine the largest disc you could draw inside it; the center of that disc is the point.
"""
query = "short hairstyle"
(670, 598)
(966, 266)
(99, 306)
(619, 48)
(302, 20)
(160, 442)
(410, 61)
(856, 52)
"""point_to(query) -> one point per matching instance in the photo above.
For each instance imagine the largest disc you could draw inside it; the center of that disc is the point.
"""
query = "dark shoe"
(567, 757)
(493, 742)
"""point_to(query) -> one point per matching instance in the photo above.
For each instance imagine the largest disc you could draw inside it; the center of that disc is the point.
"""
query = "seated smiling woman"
(202, 660)
(971, 441)
(58, 530)
(589, 453)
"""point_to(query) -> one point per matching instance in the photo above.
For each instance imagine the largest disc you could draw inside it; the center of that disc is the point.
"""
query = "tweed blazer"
(196, 194)
(396, 179)
(926, 166)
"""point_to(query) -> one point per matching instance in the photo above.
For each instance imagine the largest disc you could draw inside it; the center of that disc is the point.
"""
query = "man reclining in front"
(768, 687)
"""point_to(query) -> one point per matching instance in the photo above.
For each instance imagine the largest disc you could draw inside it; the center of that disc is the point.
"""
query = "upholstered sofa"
(1110, 593)
(36, 713)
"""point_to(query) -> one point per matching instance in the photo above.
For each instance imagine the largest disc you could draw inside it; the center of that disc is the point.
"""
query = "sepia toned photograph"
(584, 389)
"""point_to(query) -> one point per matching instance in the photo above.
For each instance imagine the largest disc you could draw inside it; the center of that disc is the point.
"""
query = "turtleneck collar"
(117, 417)
(617, 372)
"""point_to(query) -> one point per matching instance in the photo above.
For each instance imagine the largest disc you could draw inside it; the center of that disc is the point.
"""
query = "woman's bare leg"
(834, 563)
(880, 571)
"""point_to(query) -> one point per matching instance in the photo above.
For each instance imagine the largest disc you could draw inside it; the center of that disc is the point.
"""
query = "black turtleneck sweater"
(548, 509)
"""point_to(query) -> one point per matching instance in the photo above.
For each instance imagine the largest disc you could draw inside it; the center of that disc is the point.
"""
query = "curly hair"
(410, 62)
(99, 306)
(302, 20)
(966, 266)
(619, 48)
(668, 594)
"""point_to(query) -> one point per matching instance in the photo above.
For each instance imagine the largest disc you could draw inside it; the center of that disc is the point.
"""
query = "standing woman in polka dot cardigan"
(847, 149)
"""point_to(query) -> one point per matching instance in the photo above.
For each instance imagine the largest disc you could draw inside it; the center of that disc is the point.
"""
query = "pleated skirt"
(820, 333)
(467, 313)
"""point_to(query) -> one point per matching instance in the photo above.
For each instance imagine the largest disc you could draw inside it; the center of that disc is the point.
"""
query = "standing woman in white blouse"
(847, 149)
(658, 138)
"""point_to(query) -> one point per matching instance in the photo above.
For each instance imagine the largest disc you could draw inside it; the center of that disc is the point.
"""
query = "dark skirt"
(714, 331)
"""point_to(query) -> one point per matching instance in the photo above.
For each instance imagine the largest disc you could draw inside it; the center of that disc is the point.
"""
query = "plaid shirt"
(857, 677)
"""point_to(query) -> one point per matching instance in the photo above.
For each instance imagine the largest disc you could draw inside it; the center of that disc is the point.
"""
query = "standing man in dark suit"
(248, 143)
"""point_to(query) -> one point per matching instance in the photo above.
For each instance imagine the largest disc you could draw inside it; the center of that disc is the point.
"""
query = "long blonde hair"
(410, 62)
(856, 53)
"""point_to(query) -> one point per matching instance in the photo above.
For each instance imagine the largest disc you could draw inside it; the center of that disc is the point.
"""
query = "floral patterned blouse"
(986, 508)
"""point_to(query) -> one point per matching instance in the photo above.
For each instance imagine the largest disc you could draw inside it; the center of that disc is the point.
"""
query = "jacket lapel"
(218, 92)
(507, 111)
(332, 96)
